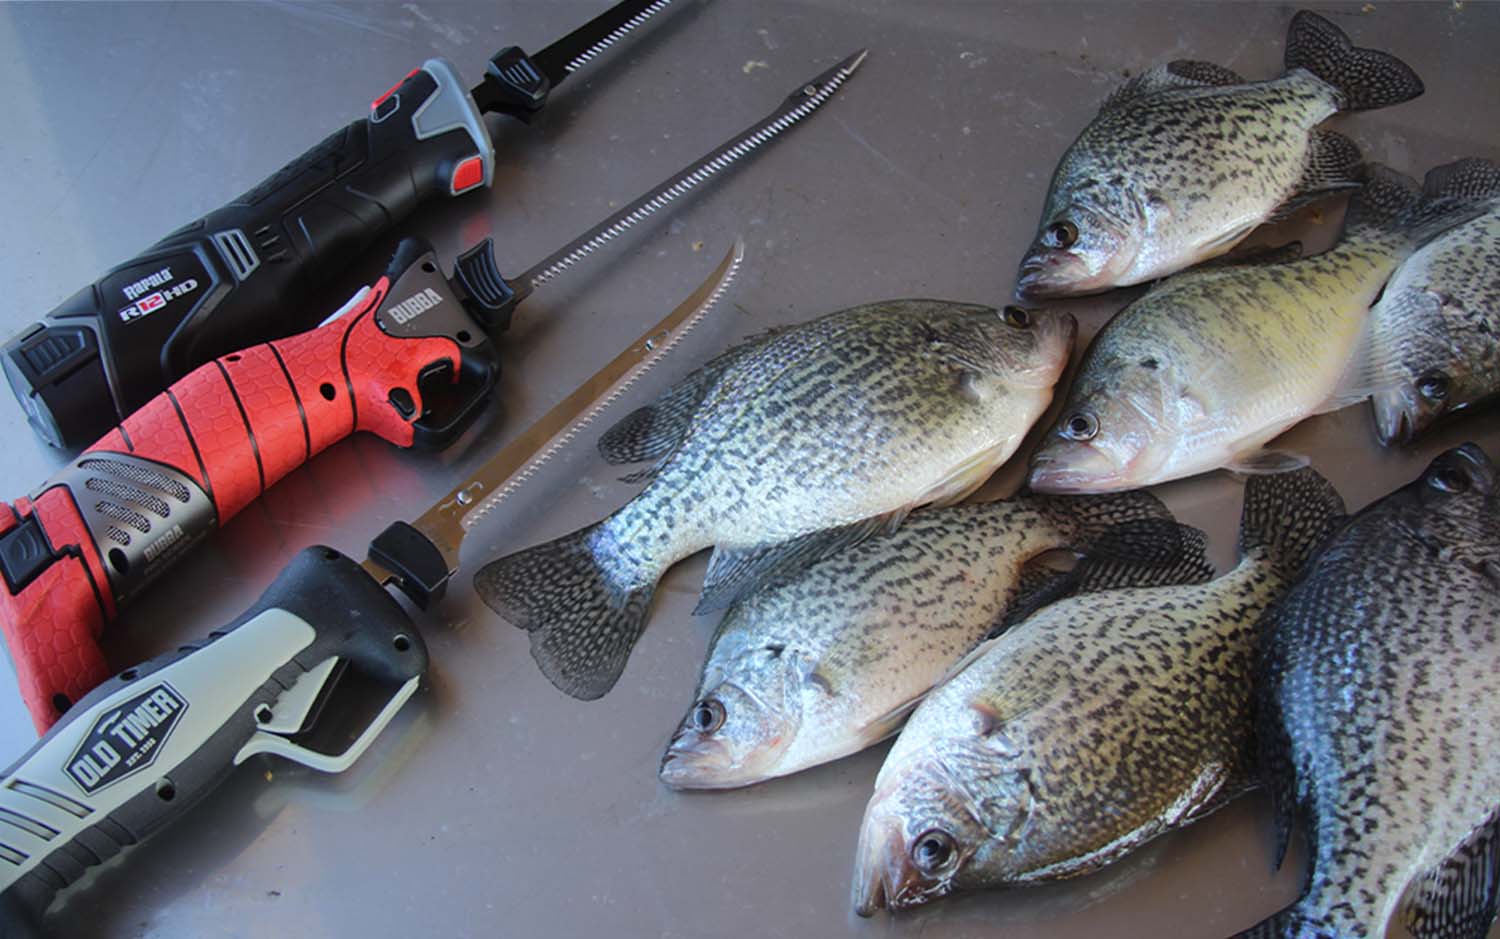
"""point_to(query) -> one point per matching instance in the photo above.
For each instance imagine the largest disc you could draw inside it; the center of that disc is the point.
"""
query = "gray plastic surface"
(494, 806)
(452, 106)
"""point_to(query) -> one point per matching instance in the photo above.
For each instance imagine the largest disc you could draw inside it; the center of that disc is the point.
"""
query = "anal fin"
(1334, 165)
(1457, 898)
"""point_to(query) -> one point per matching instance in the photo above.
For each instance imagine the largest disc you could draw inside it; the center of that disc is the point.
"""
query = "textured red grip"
(242, 422)
(52, 627)
(234, 426)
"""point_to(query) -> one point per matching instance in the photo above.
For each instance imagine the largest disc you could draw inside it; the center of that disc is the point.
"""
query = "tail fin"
(582, 624)
(1364, 78)
(1148, 552)
(1288, 515)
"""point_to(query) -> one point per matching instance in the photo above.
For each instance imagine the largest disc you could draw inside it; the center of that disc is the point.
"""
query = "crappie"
(832, 661)
(1438, 323)
(1377, 724)
(1208, 366)
(1186, 159)
(780, 452)
(1097, 724)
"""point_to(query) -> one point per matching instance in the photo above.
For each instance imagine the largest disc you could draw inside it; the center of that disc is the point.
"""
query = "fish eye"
(1433, 386)
(1017, 317)
(1081, 426)
(708, 716)
(1060, 234)
(934, 851)
(1448, 479)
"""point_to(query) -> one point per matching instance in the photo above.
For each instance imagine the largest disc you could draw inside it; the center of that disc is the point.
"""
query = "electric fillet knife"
(243, 273)
(408, 358)
(141, 748)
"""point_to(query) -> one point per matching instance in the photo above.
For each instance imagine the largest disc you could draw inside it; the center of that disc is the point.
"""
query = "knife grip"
(127, 508)
(247, 272)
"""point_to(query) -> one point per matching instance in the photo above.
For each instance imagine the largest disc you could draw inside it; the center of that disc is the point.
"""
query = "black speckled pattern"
(1376, 684)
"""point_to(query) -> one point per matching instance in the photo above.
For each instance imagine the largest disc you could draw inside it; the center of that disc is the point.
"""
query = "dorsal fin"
(1183, 73)
(654, 431)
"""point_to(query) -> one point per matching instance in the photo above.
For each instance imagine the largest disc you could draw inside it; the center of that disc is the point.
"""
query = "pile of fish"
(1052, 718)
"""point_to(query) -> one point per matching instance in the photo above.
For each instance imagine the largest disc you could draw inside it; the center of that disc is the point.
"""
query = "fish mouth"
(871, 892)
(1056, 476)
(1398, 418)
(695, 764)
(1048, 274)
(694, 761)
(883, 877)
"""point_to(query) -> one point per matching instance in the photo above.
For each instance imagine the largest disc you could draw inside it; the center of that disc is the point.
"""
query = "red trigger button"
(468, 174)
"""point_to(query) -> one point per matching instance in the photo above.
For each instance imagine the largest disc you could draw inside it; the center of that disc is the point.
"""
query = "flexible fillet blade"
(518, 84)
(451, 518)
(805, 100)
(568, 54)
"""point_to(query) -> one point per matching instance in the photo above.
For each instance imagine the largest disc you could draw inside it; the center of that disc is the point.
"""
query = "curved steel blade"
(446, 523)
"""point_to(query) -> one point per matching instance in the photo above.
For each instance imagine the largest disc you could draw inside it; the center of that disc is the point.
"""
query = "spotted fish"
(1210, 365)
(1437, 324)
(833, 660)
(1097, 724)
(780, 452)
(1377, 729)
(1186, 159)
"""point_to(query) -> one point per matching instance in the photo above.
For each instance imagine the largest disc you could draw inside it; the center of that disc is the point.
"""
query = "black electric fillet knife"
(243, 274)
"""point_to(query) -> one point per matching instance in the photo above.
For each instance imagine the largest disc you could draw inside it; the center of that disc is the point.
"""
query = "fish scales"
(1377, 732)
(1184, 160)
(1208, 366)
(827, 663)
(1095, 725)
(801, 442)
(1437, 326)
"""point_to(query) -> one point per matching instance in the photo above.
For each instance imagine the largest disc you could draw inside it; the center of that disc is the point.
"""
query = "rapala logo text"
(152, 302)
(126, 738)
(161, 277)
(413, 307)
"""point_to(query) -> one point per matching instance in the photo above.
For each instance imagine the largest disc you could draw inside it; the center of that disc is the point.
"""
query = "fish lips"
(1055, 475)
(884, 878)
(1048, 273)
(693, 761)
(1399, 416)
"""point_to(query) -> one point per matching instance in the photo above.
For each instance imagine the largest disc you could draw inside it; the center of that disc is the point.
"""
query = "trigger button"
(402, 401)
(24, 553)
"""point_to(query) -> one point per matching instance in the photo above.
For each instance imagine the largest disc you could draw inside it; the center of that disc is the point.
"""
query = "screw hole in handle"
(402, 642)
(129, 674)
(165, 790)
(263, 714)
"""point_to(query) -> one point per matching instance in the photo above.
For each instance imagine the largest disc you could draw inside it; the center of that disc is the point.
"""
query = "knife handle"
(144, 746)
(403, 360)
(245, 272)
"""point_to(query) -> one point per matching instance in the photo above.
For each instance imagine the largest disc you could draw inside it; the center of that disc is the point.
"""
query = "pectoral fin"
(735, 573)
(1264, 461)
